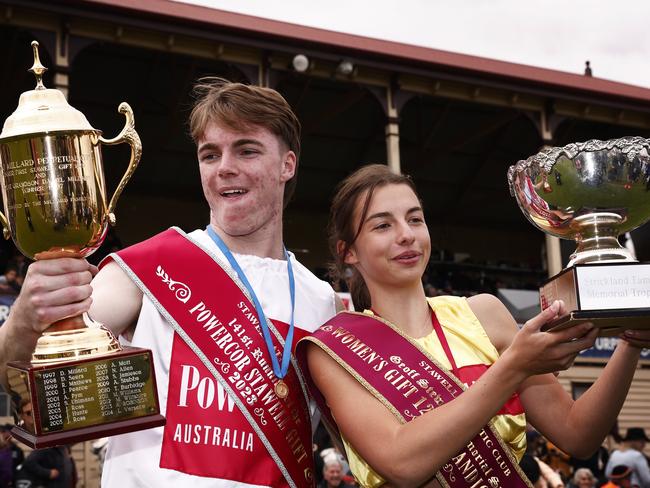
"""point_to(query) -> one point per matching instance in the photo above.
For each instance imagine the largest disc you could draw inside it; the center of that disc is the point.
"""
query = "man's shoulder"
(307, 276)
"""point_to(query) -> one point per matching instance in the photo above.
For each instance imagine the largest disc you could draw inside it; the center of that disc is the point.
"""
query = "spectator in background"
(630, 454)
(6, 464)
(332, 454)
(596, 463)
(17, 454)
(620, 477)
(10, 282)
(530, 467)
(583, 478)
(26, 415)
(549, 478)
(20, 263)
(52, 467)
(558, 460)
(333, 475)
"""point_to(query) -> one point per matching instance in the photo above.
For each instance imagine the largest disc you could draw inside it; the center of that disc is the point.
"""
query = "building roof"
(383, 49)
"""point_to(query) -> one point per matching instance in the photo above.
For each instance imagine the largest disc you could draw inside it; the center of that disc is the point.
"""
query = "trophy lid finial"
(37, 68)
(43, 109)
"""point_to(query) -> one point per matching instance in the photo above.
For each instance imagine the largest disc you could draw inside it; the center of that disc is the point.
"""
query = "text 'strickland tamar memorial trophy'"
(81, 382)
(592, 192)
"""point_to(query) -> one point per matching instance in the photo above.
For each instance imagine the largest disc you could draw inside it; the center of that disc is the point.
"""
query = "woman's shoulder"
(495, 319)
(479, 305)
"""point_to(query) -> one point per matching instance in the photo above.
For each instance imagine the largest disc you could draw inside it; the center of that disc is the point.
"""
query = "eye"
(381, 226)
(208, 157)
(249, 152)
(416, 219)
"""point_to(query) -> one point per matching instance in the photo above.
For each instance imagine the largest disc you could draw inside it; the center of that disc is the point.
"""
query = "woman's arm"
(409, 454)
(576, 427)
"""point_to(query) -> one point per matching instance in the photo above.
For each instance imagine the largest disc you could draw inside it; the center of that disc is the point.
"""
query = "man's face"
(333, 474)
(243, 176)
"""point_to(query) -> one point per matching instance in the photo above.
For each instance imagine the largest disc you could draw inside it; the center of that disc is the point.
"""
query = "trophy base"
(610, 323)
(86, 433)
(81, 399)
(614, 296)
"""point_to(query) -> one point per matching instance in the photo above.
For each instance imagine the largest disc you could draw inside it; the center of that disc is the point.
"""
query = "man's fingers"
(52, 314)
(63, 296)
(54, 267)
(45, 284)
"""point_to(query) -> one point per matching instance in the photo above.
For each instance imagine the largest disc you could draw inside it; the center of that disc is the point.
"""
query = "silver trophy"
(592, 192)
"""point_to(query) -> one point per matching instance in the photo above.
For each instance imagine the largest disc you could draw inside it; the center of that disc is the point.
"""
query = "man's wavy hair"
(238, 106)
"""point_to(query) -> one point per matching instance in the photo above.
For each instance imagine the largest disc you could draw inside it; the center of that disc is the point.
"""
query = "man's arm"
(116, 300)
(59, 288)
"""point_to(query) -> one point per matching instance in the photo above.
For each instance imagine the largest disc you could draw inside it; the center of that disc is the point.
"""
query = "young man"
(232, 419)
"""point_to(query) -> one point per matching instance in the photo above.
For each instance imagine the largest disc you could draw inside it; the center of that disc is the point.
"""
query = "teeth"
(234, 192)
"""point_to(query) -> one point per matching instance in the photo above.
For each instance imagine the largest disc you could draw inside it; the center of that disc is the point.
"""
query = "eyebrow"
(381, 215)
(238, 143)
(244, 142)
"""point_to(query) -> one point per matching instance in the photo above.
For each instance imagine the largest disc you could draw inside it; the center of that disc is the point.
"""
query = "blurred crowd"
(544, 464)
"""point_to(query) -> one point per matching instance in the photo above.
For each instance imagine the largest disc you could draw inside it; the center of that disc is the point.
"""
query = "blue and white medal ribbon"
(280, 371)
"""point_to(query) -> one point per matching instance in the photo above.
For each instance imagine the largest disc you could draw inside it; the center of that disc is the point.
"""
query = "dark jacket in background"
(41, 462)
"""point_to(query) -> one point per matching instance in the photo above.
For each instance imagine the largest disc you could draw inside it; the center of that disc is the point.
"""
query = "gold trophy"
(81, 382)
(592, 192)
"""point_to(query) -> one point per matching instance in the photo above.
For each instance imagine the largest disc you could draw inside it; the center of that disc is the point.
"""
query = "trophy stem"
(64, 345)
(597, 238)
(69, 323)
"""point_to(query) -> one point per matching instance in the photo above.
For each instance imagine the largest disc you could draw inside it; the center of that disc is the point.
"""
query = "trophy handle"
(129, 135)
(5, 227)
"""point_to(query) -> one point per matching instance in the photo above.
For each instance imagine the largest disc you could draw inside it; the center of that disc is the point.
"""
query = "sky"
(614, 35)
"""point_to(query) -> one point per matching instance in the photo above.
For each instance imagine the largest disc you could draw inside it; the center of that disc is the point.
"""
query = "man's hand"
(53, 289)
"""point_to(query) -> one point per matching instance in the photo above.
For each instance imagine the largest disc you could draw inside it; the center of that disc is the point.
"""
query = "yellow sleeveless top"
(469, 345)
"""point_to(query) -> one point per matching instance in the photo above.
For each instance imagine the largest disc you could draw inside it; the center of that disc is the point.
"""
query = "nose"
(405, 235)
(228, 164)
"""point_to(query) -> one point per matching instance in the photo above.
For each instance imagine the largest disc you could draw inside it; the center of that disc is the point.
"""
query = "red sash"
(409, 382)
(215, 321)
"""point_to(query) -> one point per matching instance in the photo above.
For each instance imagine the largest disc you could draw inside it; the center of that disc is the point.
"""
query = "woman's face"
(393, 247)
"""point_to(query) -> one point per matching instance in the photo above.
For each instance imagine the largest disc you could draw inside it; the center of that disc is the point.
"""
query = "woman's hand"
(540, 352)
(639, 338)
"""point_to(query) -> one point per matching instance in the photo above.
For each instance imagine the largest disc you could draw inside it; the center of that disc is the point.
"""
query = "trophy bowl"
(590, 192)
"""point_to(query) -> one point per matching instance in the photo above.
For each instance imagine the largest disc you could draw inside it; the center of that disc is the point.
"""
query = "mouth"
(233, 192)
(408, 257)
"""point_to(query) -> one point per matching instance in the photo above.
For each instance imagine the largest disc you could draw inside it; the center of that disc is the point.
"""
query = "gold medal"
(281, 389)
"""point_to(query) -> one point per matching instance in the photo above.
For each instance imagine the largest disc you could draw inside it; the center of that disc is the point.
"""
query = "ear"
(288, 166)
(350, 255)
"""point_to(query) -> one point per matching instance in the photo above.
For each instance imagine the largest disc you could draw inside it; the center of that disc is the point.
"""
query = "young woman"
(392, 377)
